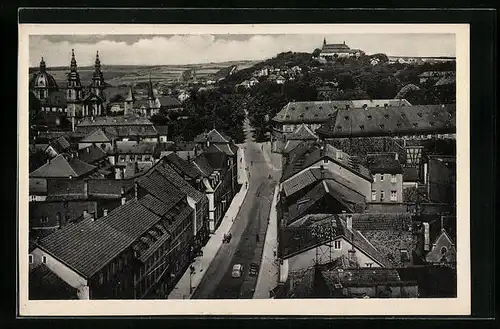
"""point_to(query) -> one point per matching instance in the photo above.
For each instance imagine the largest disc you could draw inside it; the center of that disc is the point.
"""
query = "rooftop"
(360, 277)
(46, 285)
(60, 167)
(383, 163)
(391, 120)
(115, 121)
(213, 136)
(91, 154)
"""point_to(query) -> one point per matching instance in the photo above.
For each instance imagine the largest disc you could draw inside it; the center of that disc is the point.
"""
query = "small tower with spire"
(43, 68)
(151, 95)
(129, 101)
(74, 92)
(324, 42)
(97, 84)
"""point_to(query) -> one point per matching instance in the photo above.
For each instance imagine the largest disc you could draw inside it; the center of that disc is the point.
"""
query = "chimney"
(349, 222)
(122, 191)
(85, 188)
(135, 190)
(338, 154)
(396, 156)
(123, 200)
(85, 213)
(88, 149)
(105, 212)
(426, 237)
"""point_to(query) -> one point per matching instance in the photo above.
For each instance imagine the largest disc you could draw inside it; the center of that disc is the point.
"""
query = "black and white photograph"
(254, 164)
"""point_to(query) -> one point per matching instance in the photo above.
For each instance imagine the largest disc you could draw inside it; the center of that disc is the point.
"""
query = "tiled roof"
(134, 148)
(213, 136)
(333, 47)
(298, 182)
(444, 81)
(108, 187)
(310, 156)
(96, 136)
(155, 205)
(215, 157)
(91, 154)
(169, 101)
(202, 165)
(303, 283)
(87, 246)
(168, 172)
(115, 121)
(157, 185)
(46, 285)
(350, 199)
(392, 120)
(383, 163)
(360, 277)
(302, 133)
(60, 167)
(389, 233)
(60, 144)
(182, 165)
(290, 145)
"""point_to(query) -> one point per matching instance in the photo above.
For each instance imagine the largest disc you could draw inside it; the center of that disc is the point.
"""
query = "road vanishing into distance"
(248, 231)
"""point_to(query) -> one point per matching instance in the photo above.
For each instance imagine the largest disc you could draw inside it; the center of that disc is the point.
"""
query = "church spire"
(42, 65)
(324, 41)
(130, 96)
(150, 89)
(73, 60)
(97, 62)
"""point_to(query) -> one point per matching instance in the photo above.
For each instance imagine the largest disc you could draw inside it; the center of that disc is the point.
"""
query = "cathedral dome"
(43, 80)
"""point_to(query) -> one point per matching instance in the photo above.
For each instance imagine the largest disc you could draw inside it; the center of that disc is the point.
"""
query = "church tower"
(74, 91)
(97, 84)
(129, 101)
(324, 42)
(151, 98)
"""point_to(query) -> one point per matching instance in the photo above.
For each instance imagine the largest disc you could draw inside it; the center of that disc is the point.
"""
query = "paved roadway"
(244, 247)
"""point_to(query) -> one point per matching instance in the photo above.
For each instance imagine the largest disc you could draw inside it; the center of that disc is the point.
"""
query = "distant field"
(118, 75)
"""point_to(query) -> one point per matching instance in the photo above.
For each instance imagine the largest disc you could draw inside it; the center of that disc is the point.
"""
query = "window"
(44, 219)
(325, 160)
(44, 259)
(394, 196)
(30, 258)
(444, 250)
(368, 264)
(381, 177)
(382, 195)
(374, 195)
(393, 178)
(336, 244)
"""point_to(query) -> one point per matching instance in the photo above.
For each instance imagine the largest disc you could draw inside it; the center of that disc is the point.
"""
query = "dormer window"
(431, 123)
(293, 108)
(307, 107)
(415, 124)
(346, 118)
(321, 107)
(369, 117)
(403, 115)
(302, 115)
(398, 124)
(362, 127)
(386, 116)
(434, 114)
(419, 114)
(381, 126)
(339, 128)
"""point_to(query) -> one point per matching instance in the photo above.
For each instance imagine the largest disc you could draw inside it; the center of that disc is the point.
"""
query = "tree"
(316, 52)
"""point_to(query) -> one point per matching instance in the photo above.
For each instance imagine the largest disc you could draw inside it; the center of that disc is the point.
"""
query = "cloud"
(192, 49)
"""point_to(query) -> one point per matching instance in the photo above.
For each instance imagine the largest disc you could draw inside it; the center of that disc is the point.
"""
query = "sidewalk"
(269, 270)
(201, 263)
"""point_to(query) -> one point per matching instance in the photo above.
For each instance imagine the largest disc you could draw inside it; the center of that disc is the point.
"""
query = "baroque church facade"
(75, 101)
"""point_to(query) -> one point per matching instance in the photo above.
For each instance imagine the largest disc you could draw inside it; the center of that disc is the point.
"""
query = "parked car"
(237, 270)
(254, 269)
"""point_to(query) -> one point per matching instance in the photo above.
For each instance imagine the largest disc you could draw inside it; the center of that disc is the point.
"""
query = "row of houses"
(130, 237)
(367, 199)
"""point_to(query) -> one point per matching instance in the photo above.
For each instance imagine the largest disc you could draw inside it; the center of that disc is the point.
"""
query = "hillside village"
(134, 188)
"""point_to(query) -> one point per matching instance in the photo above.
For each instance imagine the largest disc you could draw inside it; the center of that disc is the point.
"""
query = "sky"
(206, 48)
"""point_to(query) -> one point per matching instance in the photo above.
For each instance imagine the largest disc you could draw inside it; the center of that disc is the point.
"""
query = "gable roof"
(60, 144)
(202, 165)
(91, 154)
(213, 136)
(350, 199)
(60, 167)
(97, 136)
(215, 157)
(169, 101)
(383, 163)
(157, 185)
(391, 120)
(302, 133)
(87, 246)
(173, 177)
(308, 156)
(186, 167)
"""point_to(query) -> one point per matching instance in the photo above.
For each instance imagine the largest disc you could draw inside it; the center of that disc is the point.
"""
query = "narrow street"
(248, 231)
